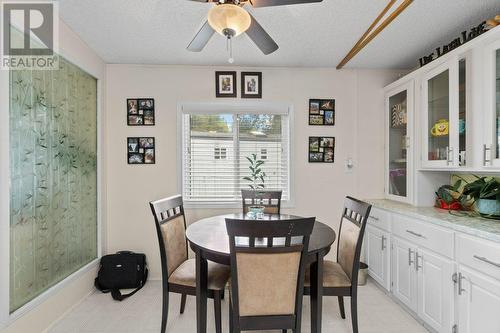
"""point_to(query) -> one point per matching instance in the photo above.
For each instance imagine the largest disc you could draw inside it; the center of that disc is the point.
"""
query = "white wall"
(319, 188)
(64, 298)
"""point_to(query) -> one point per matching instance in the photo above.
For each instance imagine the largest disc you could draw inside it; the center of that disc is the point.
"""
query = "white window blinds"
(215, 147)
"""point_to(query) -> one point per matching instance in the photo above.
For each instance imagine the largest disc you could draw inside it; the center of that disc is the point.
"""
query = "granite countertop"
(459, 221)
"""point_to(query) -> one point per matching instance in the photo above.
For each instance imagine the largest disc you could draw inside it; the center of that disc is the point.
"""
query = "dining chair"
(179, 272)
(340, 278)
(267, 273)
(271, 200)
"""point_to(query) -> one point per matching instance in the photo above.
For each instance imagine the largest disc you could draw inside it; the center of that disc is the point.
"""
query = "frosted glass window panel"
(53, 171)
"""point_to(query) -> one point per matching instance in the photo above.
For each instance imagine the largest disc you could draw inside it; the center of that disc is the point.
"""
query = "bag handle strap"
(118, 296)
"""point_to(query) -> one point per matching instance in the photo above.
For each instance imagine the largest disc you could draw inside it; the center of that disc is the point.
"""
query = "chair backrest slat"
(352, 228)
(271, 200)
(171, 230)
(268, 270)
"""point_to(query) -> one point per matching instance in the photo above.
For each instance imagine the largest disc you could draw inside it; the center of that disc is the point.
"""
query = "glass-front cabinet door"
(399, 115)
(444, 121)
(491, 147)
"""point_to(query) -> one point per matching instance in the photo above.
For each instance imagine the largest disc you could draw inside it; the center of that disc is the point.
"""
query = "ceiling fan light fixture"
(229, 20)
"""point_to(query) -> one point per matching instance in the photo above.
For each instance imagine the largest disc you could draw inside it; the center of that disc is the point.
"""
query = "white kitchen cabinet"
(491, 147)
(422, 280)
(378, 255)
(478, 302)
(435, 290)
(404, 277)
(444, 115)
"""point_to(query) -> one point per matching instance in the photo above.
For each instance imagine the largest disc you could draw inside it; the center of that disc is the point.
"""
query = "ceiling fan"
(229, 19)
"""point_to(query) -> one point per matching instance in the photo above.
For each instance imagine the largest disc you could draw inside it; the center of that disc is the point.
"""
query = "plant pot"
(488, 207)
(256, 211)
(440, 203)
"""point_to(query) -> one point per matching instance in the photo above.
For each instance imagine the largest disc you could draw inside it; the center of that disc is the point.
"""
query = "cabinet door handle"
(486, 260)
(383, 243)
(410, 260)
(417, 266)
(374, 218)
(460, 289)
(449, 155)
(415, 234)
(485, 150)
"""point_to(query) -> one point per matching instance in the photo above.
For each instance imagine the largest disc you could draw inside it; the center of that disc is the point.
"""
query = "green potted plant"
(448, 196)
(485, 193)
(257, 181)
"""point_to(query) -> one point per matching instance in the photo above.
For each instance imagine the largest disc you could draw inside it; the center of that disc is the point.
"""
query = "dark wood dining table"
(209, 241)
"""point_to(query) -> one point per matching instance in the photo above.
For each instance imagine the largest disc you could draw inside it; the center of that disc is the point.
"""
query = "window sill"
(225, 204)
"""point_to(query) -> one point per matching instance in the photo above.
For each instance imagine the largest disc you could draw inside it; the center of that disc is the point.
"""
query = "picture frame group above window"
(226, 84)
(321, 149)
(141, 150)
(322, 112)
(140, 111)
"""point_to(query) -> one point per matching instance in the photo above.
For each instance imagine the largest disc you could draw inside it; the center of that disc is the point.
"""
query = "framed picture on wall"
(321, 149)
(140, 111)
(251, 85)
(141, 150)
(225, 84)
(322, 112)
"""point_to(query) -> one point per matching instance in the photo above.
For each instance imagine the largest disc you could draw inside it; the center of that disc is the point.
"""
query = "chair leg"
(341, 306)
(164, 311)
(183, 302)
(217, 311)
(231, 322)
(354, 313)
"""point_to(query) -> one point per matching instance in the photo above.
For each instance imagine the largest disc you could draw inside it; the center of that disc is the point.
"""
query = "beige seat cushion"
(333, 276)
(185, 275)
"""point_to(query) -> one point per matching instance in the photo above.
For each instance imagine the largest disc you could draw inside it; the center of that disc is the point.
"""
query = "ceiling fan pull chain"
(230, 44)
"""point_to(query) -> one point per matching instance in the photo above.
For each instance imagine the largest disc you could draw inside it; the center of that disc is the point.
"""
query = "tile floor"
(141, 313)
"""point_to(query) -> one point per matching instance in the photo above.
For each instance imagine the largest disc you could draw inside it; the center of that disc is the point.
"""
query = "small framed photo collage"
(140, 112)
(322, 112)
(141, 150)
(321, 149)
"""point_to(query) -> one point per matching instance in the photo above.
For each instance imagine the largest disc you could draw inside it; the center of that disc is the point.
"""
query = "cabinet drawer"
(380, 218)
(423, 234)
(479, 254)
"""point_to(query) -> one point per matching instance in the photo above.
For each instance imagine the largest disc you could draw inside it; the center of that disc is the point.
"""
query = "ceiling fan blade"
(261, 38)
(201, 39)
(269, 3)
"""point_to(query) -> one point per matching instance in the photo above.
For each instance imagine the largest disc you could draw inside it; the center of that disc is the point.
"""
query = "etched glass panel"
(53, 171)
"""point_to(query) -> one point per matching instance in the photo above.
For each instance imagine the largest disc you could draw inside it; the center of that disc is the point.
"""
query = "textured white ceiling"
(313, 35)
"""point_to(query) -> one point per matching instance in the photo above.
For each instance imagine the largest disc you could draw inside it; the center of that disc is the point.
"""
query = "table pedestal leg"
(316, 294)
(201, 293)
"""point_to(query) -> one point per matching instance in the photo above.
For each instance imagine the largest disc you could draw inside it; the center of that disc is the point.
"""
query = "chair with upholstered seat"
(179, 272)
(341, 278)
(261, 251)
(270, 200)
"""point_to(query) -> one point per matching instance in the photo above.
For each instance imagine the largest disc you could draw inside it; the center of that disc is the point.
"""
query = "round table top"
(210, 235)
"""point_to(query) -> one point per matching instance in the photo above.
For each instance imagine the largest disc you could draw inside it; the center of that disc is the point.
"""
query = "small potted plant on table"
(485, 192)
(257, 182)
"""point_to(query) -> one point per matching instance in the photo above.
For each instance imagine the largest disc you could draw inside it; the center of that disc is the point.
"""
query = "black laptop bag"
(123, 270)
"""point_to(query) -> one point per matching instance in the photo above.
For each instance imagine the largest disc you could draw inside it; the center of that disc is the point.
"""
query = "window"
(215, 147)
(263, 154)
(220, 153)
